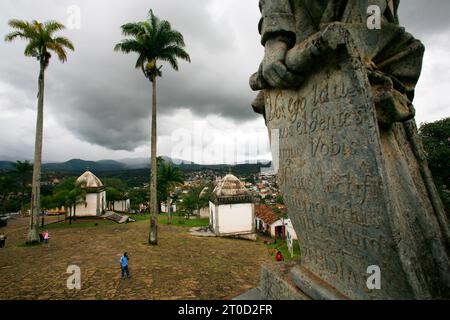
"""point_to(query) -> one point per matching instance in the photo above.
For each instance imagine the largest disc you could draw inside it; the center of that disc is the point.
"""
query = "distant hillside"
(6, 165)
(139, 165)
(144, 163)
(80, 166)
(238, 169)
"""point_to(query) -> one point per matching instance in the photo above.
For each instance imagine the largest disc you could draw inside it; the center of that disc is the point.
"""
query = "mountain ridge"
(79, 165)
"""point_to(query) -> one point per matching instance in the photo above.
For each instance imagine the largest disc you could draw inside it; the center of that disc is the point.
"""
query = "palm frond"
(176, 38)
(132, 29)
(40, 39)
(64, 42)
(59, 50)
(172, 61)
(153, 39)
(154, 20)
(141, 61)
(24, 30)
(15, 34)
(174, 51)
(129, 45)
(33, 48)
(52, 26)
(19, 24)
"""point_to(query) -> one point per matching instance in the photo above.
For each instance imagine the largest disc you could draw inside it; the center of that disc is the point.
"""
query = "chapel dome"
(89, 180)
(230, 186)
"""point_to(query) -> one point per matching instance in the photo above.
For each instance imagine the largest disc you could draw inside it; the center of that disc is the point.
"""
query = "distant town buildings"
(271, 224)
(120, 205)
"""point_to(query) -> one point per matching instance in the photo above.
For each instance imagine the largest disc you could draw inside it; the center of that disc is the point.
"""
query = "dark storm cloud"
(102, 99)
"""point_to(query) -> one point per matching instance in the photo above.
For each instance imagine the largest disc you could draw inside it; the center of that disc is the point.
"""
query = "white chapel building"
(95, 204)
(231, 209)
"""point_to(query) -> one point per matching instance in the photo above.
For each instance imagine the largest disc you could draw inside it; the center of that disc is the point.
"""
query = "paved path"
(180, 267)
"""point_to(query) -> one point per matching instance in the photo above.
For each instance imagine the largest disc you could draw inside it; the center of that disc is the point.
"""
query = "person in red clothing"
(279, 257)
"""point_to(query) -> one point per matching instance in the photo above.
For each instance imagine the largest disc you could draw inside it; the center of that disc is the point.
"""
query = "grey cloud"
(102, 99)
(425, 18)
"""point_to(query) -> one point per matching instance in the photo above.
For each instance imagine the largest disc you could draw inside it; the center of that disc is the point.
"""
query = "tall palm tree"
(41, 41)
(169, 177)
(153, 40)
(23, 169)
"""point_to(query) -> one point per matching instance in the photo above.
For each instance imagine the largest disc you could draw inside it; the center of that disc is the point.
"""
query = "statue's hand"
(273, 72)
(278, 76)
(257, 81)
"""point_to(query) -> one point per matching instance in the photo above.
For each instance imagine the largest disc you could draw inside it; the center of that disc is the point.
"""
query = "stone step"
(253, 294)
(116, 217)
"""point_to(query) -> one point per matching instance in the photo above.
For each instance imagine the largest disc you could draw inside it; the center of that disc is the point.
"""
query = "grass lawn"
(98, 222)
(140, 217)
(176, 220)
(79, 223)
(282, 246)
(182, 222)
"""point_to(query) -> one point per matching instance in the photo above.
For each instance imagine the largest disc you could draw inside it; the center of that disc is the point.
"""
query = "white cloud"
(431, 101)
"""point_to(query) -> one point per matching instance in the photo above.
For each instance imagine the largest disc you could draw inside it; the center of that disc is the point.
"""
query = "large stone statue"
(337, 96)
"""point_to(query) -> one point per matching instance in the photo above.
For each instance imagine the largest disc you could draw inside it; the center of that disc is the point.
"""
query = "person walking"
(2, 240)
(46, 238)
(124, 265)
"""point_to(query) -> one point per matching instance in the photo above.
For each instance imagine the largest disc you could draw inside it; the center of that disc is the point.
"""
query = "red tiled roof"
(266, 214)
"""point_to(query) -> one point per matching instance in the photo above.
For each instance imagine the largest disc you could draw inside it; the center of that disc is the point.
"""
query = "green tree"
(41, 41)
(279, 199)
(169, 177)
(196, 199)
(153, 40)
(67, 194)
(7, 187)
(205, 195)
(189, 204)
(56, 200)
(23, 169)
(138, 196)
(115, 183)
(116, 189)
(75, 197)
(436, 142)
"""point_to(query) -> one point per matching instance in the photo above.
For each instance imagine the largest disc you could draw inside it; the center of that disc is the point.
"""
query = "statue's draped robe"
(393, 59)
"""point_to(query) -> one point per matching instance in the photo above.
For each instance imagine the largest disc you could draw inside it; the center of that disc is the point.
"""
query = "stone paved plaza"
(180, 267)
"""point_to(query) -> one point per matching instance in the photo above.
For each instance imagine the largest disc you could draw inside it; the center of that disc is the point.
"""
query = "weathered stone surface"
(252, 294)
(277, 284)
(330, 176)
(351, 166)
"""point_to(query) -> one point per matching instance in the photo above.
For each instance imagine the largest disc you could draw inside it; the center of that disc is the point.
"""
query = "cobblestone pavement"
(180, 267)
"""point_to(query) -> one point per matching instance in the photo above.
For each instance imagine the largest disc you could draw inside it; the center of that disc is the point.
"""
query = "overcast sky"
(97, 106)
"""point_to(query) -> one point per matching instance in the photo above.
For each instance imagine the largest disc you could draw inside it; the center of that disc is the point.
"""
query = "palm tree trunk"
(153, 238)
(42, 220)
(169, 210)
(33, 234)
(22, 197)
